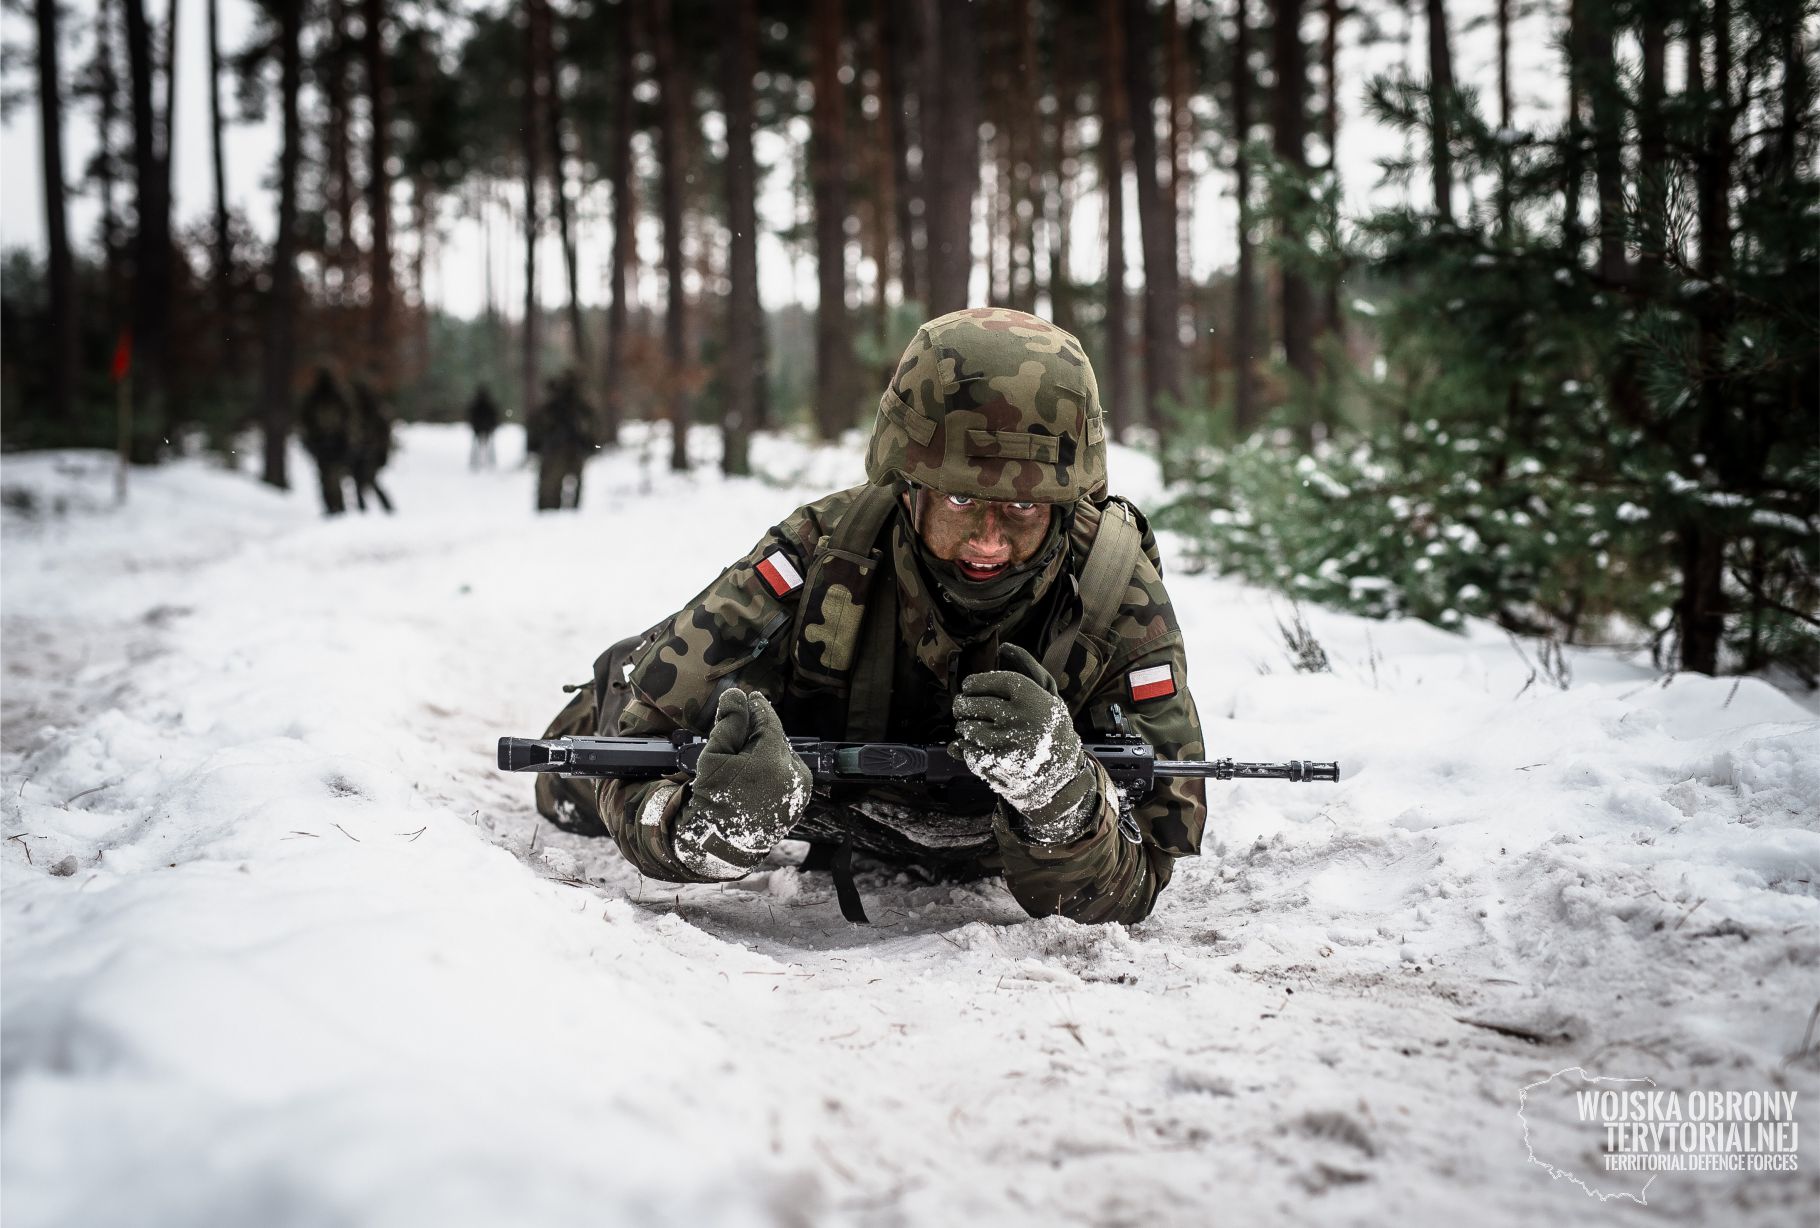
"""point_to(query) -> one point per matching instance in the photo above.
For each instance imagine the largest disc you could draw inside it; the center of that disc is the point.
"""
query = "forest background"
(1559, 367)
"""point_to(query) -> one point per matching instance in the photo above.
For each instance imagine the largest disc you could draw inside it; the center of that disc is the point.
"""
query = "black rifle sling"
(869, 651)
(851, 907)
(1104, 578)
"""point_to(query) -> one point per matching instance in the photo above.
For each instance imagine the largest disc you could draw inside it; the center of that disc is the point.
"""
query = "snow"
(311, 960)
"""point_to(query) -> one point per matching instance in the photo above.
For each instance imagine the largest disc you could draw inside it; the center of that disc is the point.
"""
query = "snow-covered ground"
(281, 946)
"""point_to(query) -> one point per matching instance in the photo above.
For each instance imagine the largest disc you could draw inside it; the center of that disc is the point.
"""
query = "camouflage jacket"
(739, 632)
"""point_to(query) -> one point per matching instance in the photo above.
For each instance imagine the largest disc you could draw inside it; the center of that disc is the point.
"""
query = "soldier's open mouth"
(980, 571)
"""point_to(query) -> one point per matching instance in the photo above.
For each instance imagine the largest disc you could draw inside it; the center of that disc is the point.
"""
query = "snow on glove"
(1014, 733)
(750, 788)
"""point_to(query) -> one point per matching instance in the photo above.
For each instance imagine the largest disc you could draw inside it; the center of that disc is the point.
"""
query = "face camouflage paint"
(982, 537)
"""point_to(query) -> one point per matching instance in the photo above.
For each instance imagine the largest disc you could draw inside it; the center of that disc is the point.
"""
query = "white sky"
(456, 279)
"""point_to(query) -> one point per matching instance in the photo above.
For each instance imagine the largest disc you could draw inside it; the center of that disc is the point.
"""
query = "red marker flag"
(123, 355)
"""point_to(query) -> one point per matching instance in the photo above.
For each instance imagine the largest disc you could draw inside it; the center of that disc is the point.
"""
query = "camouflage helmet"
(995, 404)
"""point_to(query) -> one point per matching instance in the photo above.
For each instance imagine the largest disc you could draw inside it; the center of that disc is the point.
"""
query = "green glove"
(1014, 732)
(750, 788)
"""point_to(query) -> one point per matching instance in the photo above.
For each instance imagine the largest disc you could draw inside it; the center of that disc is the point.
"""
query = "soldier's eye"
(1024, 507)
(959, 501)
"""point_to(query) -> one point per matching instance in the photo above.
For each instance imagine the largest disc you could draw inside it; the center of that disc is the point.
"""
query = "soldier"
(483, 419)
(372, 445)
(564, 435)
(981, 590)
(326, 424)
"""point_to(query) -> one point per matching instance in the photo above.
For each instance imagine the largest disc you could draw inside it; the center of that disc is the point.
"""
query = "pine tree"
(1559, 443)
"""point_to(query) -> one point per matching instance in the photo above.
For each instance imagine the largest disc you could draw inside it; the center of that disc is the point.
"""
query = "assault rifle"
(1129, 761)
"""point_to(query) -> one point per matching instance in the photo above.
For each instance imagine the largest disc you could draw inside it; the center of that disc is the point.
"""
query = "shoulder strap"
(837, 597)
(1104, 578)
(869, 696)
(857, 530)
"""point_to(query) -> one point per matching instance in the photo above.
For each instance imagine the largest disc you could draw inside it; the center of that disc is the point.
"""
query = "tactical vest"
(844, 633)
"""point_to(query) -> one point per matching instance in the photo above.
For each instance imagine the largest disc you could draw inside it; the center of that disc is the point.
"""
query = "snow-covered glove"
(750, 788)
(1014, 733)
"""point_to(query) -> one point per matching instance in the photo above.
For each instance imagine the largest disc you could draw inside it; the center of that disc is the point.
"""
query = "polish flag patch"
(1153, 682)
(779, 573)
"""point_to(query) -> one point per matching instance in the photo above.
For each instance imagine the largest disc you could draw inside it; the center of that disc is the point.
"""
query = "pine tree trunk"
(1333, 323)
(999, 237)
(379, 197)
(1504, 118)
(1440, 99)
(1181, 187)
(280, 314)
(669, 155)
(223, 271)
(1573, 157)
(559, 175)
(175, 367)
(1244, 294)
(951, 139)
(742, 370)
(336, 135)
(1024, 137)
(533, 310)
(896, 91)
(1652, 148)
(483, 208)
(151, 246)
(167, 69)
(423, 200)
(1116, 388)
(56, 227)
(1607, 99)
(619, 175)
(882, 156)
(828, 173)
(1156, 224)
(1503, 20)
(1290, 124)
(1702, 606)
(109, 84)
(1066, 160)
(423, 206)
(1797, 95)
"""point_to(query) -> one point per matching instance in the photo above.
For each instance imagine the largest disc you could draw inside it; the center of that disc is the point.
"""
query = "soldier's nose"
(989, 534)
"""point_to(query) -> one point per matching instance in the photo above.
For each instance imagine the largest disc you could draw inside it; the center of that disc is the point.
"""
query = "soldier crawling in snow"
(982, 589)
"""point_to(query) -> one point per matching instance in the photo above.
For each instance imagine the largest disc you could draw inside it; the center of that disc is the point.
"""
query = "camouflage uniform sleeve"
(736, 631)
(1106, 875)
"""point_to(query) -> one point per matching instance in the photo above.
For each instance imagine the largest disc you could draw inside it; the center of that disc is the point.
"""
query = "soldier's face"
(981, 537)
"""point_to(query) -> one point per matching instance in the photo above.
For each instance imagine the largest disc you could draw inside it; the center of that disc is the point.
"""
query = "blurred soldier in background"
(372, 445)
(483, 419)
(563, 429)
(325, 422)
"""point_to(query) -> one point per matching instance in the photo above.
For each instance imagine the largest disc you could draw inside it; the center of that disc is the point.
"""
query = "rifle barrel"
(1300, 771)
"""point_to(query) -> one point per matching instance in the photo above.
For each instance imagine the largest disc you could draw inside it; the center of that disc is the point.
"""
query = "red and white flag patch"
(1153, 682)
(780, 573)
